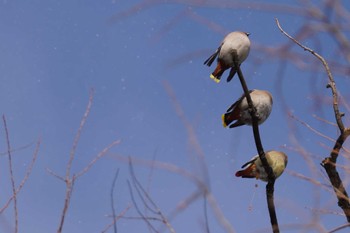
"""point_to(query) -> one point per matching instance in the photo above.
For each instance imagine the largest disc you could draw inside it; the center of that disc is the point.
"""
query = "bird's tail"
(225, 123)
(247, 173)
(216, 75)
(215, 78)
(228, 117)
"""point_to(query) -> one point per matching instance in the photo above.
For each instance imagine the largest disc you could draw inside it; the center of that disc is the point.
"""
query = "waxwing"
(239, 111)
(254, 168)
(234, 43)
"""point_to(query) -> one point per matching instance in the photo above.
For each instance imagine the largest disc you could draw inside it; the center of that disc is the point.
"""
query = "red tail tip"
(239, 173)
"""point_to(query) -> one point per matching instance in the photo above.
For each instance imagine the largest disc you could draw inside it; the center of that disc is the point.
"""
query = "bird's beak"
(247, 33)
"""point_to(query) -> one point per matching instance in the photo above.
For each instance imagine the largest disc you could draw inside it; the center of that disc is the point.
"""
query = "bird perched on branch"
(234, 43)
(254, 168)
(239, 111)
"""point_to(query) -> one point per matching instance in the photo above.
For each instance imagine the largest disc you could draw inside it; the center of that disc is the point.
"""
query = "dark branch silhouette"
(112, 200)
(260, 149)
(147, 201)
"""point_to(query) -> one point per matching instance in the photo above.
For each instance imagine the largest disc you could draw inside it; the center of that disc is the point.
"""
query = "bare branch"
(18, 148)
(331, 83)
(144, 196)
(112, 200)
(77, 136)
(329, 163)
(260, 149)
(100, 155)
(115, 219)
(55, 174)
(14, 191)
(144, 218)
(340, 228)
(70, 180)
(310, 127)
(26, 176)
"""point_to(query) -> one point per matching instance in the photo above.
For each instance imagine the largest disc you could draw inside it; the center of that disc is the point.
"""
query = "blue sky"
(52, 53)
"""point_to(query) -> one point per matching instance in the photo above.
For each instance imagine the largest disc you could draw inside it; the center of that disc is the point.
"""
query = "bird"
(239, 110)
(236, 42)
(254, 168)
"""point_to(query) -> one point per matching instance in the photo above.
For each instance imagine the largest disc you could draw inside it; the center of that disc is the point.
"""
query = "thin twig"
(324, 211)
(310, 127)
(26, 176)
(14, 192)
(55, 174)
(145, 197)
(207, 229)
(77, 136)
(144, 218)
(68, 179)
(331, 83)
(115, 219)
(193, 178)
(100, 155)
(18, 148)
(323, 120)
(112, 200)
(340, 228)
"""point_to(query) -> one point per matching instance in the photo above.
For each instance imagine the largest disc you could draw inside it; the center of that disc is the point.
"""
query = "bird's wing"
(251, 161)
(237, 102)
(211, 59)
(232, 73)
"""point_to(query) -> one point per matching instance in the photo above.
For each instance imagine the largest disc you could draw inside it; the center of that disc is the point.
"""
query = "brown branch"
(310, 127)
(331, 83)
(260, 149)
(340, 228)
(18, 149)
(329, 163)
(323, 120)
(77, 136)
(115, 219)
(100, 155)
(325, 211)
(25, 178)
(14, 191)
(55, 174)
(68, 179)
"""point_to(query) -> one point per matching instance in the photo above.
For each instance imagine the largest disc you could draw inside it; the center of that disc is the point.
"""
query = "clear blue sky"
(52, 53)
